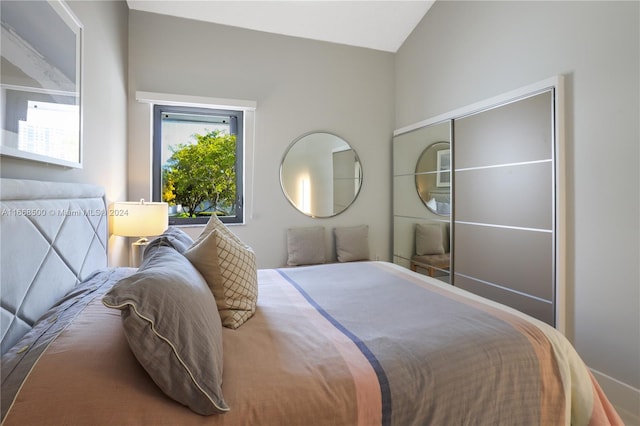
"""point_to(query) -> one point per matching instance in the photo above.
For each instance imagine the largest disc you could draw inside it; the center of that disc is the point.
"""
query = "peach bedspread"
(354, 344)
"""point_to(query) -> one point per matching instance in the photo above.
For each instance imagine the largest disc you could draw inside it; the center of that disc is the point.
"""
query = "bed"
(360, 343)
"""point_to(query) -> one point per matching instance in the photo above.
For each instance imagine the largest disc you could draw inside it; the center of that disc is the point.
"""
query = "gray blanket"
(438, 361)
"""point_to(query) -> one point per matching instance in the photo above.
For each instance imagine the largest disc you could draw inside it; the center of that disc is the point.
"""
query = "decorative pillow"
(429, 239)
(230, 271)
(305, 246)
(173, 328)
(352, 243)
(214, 224)
(177, 238)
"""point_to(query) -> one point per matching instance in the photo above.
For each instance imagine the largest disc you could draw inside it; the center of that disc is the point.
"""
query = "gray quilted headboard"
(52, 236)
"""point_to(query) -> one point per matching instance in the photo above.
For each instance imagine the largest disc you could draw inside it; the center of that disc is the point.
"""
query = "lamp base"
(137, 250)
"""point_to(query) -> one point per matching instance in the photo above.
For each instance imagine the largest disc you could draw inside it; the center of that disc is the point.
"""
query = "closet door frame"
(556, 84)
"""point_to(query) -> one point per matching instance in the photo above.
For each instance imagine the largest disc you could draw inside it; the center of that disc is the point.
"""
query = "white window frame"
(248, 107)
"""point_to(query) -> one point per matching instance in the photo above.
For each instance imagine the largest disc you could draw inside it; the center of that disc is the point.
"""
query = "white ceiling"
(375, 24)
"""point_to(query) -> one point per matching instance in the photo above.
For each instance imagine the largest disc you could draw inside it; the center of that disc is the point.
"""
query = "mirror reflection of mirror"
(433, 178)
(320, 174)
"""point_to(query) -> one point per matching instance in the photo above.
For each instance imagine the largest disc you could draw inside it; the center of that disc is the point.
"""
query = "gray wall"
(104, 97)
(464, 52)
(461, 53)
(300, 86)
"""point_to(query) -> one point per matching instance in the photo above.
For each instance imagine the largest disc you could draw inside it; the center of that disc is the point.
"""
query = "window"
(197, 163)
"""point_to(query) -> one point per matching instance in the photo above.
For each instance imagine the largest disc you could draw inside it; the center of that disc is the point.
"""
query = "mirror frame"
(286, 194)
(68, 19)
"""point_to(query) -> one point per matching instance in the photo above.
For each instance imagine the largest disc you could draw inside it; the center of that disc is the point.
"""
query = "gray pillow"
(173, 328)
(305, 246)
(177, 238)
(352, 243)
(172, 237)
(429, 239)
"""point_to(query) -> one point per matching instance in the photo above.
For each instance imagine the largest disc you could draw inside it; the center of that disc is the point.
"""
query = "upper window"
(197, 163)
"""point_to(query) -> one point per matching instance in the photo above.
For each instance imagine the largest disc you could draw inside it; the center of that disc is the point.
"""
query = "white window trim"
(195, 101)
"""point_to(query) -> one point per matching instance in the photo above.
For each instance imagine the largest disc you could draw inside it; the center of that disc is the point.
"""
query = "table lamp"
(142, 219)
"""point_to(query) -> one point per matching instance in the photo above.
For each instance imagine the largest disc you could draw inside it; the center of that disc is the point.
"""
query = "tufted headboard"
(52, 236)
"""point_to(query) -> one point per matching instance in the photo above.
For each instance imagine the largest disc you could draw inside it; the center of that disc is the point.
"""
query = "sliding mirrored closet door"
(504, 183)
(504, 205)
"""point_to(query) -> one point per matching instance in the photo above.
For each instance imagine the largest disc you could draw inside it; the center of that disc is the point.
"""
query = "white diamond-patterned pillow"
(215, 224)
(230, 271)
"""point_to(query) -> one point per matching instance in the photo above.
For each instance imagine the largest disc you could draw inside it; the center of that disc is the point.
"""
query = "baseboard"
(624, 397)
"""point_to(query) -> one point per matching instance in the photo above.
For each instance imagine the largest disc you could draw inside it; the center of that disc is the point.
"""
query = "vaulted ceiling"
(375, 24)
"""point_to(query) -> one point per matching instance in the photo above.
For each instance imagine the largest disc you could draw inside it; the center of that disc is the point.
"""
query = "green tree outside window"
(201, 176)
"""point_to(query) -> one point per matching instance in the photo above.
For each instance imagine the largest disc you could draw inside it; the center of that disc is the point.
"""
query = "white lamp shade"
(142, 219)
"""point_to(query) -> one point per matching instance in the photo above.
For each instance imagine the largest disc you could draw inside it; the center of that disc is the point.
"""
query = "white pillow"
(230, 271)
(214, 224)
(352, 243)
(305, 246)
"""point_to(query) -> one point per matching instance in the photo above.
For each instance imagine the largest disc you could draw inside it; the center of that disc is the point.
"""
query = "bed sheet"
(361, 343)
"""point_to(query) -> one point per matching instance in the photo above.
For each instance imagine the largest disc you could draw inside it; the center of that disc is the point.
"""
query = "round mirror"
(433, 178)
(320, 174)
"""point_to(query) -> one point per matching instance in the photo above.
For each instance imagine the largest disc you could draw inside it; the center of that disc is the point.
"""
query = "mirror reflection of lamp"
(139, 219)
(305, 195)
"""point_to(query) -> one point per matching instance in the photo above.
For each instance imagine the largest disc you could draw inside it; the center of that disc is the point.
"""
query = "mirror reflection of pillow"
(429, 239)
(443, 208)
(432, 204)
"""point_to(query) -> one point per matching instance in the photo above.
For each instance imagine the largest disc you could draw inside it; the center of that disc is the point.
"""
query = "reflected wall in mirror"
(433, 178)
(320, 174)
(40, 82)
